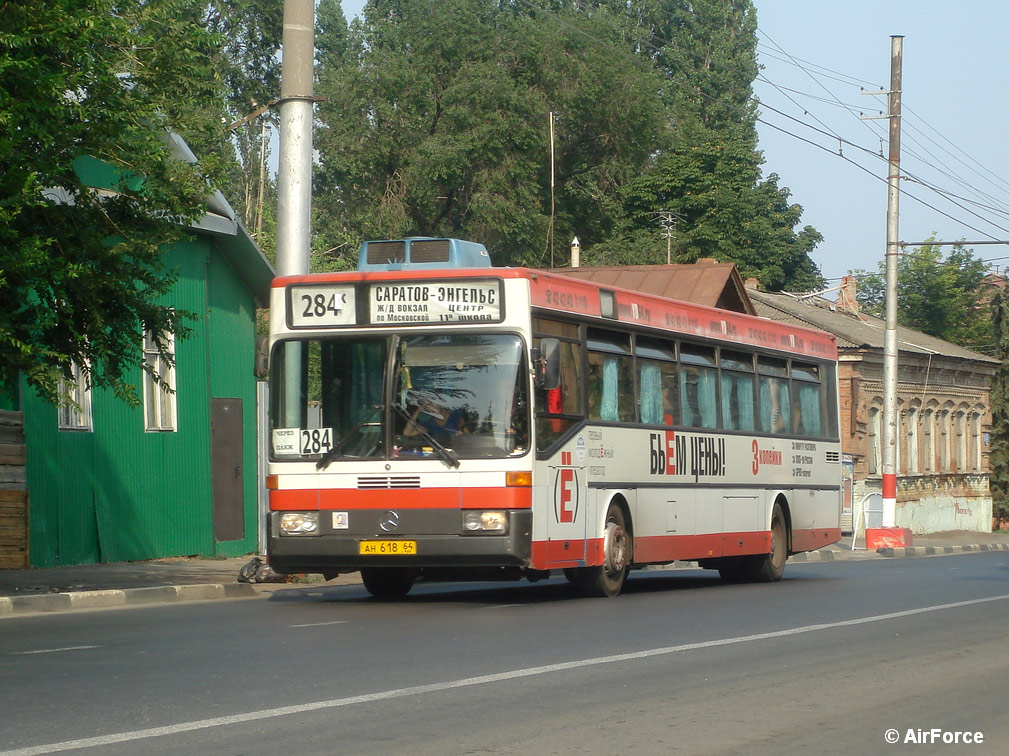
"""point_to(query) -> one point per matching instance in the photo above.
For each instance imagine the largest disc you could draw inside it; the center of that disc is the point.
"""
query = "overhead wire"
(669, 50)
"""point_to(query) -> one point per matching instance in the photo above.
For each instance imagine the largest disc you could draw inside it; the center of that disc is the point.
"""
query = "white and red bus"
(433, 415)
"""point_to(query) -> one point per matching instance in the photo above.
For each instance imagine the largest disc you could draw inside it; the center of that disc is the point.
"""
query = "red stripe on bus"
(419, 498)
(687, 548)
(814, 538)
(555, 555)
(669, 548)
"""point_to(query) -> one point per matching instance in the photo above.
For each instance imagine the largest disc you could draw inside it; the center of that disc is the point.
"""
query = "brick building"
(944, 412)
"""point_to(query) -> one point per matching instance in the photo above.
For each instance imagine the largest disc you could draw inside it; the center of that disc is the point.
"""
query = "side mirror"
(261, 364)
(548, 364)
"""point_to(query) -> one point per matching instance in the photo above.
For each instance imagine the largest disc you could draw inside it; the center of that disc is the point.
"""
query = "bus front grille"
(370, 482)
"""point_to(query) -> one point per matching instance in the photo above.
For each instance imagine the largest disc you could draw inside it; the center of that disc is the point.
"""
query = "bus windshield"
(465, 393)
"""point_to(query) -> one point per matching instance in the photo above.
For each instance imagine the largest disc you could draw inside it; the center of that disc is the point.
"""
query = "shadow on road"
(519, 592)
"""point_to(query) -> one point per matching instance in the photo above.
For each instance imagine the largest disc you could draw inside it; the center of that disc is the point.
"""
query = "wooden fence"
(13, 495)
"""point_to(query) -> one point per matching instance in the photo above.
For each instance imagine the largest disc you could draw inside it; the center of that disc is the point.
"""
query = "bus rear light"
(522, 478)
(485, 522)
(299, 523)
(271, 483)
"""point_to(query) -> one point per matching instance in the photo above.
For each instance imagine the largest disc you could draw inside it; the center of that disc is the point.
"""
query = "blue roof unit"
(422, 253)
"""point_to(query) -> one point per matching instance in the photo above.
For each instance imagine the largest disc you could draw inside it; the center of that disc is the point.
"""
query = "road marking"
(502, 606)
(320, 624)
(515, 674)
(52, 650)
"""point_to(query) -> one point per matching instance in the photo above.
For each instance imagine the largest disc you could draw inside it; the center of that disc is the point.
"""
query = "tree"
(80, 269)
(941, 297)
(999, 457)
(435, 122)
(249, 34)
(710, 172)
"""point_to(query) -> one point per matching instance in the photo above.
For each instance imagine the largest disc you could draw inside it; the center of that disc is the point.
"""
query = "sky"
(817, 57)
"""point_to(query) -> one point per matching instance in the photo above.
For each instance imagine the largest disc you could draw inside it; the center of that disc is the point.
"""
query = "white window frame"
(75, 404)
(160, 405)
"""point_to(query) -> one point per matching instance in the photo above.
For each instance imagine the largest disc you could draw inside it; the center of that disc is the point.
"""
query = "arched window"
(945, 439)
(911, 434)
(960, 427)
(874, 459)
(928, 439)
(975, 439)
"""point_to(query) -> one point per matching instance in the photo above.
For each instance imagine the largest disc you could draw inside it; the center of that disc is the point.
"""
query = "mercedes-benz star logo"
(389, 521)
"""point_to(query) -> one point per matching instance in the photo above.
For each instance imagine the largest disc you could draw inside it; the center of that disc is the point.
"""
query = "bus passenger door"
(568, 506)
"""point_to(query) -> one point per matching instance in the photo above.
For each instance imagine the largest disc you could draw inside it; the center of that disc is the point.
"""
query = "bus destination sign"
(424, 302)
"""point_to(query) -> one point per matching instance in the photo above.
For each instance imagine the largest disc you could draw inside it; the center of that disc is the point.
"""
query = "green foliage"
(80, 268)
(436, 122)
(999, 457)
(943, 297)
(249, 65)
(709, 175)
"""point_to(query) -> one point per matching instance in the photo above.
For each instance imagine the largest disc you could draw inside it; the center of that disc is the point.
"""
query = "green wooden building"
(177, 475)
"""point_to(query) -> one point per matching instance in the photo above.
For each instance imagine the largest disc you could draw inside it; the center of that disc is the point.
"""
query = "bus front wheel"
(387, 582)
(608, 578)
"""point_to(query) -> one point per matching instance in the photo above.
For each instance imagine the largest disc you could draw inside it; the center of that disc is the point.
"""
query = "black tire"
(607, 579)
(387, 582)
(770, 567)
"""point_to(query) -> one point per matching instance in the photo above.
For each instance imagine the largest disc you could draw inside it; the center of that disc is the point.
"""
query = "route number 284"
(320, 304)
(316, 440)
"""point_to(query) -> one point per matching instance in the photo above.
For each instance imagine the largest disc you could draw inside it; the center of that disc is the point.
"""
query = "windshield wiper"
(447, 455)
(332, 454)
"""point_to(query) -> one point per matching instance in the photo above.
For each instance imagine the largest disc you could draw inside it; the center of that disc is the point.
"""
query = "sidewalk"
(192, 578)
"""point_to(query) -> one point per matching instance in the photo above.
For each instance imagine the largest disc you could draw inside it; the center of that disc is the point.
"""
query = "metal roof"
(853, 331)
(708, 283)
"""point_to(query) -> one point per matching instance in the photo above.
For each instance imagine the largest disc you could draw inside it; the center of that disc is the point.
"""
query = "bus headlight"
(299, 523)
(484, 522)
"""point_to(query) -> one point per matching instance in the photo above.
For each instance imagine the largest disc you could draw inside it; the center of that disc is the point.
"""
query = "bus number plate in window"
(388, 548)
(320, 306)
(316, 440)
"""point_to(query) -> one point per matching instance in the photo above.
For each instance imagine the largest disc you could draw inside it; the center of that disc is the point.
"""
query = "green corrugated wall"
(120, 493)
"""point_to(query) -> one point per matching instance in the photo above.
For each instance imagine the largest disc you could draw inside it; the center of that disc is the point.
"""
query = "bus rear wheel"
(769, 567)
(387, 582)
(608, 578)
(763, 568)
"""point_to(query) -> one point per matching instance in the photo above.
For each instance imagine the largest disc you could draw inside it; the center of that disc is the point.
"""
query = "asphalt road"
(827, 661)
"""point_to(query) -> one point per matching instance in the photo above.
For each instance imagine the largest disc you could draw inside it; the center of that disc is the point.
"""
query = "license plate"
(388, 548)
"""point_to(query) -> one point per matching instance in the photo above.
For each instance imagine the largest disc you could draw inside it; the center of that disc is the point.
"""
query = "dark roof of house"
(708, 283)
(853, 331)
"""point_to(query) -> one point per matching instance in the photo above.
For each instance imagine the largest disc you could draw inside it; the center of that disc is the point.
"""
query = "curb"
(58, 602)
(917, 551)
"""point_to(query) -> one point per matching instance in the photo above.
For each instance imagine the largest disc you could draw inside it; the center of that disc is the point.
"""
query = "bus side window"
(737, 391)
(807, 398)
(610, 378)
(775, 407)
(698, 387)
(558, 409)
(658, 382)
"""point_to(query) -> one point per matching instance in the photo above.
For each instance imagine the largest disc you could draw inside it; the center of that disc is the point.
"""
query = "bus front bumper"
(330, 550)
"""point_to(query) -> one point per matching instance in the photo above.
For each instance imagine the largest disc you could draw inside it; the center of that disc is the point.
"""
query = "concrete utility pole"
(294, 174)
(889, 439)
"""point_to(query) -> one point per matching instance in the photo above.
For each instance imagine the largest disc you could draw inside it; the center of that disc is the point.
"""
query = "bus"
(435, 417)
